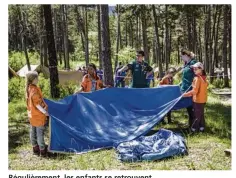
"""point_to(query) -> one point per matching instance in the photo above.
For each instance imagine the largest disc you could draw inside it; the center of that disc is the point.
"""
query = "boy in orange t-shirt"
(199, 93)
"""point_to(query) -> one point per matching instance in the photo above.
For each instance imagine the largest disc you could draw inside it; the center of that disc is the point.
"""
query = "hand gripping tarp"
(162, 144)
(102, 119)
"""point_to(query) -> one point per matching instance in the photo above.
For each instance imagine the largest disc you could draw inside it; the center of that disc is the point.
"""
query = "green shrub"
(65, 90)
(218, 83)
(68, 89)
(17, 59)
(125, 55)
(16, 88)
(44, 85)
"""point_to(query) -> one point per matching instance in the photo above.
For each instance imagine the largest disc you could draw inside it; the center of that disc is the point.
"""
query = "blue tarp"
(162, 144)
(105, 118)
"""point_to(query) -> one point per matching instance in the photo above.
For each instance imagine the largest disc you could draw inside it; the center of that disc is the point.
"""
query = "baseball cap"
(198, 65)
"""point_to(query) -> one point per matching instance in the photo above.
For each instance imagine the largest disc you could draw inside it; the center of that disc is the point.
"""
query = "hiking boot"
(36, 150)
(45, 153)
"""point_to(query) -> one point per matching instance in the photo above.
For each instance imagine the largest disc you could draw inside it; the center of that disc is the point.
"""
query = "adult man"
(140, 71)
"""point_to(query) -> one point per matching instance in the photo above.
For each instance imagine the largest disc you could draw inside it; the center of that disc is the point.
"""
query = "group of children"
(37, 108)
(198, 93)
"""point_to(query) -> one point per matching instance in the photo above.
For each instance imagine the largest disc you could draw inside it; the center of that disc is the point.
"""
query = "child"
(168, 80)
(91, 82)
(199, 93)
(37, 112)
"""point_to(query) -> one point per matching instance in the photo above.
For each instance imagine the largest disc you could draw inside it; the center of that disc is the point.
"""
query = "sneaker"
(193, 130)
(36, 150)
(202, 129)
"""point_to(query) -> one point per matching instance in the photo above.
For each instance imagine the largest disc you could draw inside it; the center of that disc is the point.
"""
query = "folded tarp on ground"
(105, 118)
(162, 144)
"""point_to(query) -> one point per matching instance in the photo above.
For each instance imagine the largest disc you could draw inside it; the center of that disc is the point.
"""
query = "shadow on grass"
(217, 117)
(218, 120)
(16, 133)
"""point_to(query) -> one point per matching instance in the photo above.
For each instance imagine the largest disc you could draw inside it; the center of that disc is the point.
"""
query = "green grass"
(206, 150)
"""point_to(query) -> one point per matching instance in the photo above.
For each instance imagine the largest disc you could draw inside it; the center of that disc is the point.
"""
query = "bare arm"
(123, 69)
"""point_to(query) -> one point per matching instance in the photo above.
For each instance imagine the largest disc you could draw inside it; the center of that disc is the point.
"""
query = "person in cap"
(140, 71)
(199, 94)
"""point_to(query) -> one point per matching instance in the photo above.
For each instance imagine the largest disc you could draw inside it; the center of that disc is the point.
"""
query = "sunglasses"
(196, 68)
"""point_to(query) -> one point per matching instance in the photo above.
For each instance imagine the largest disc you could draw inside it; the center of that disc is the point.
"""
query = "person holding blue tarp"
(168, 80)
(91, 81)
(140, 71)
(120, 76)
(187, 78)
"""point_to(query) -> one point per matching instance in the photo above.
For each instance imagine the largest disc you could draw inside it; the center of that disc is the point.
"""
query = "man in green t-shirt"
(140, 71)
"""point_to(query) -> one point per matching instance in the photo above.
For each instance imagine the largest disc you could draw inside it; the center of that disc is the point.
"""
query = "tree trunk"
(54, 81)
(99, 38)
(140, 33)
(137, 33)
(189, 32)
(195, 40)
(131, 34)
(229, 41)
(206, 38)
(213, 42)
(41, 34)
(56, 30)
(166, 38)
(82, 30)
(117, 37)
(126, 32)
(162, 45)
(200, 44)
(158, 52)
(144, 28)
(106, 46)
(224, 51)
(45, 50)
(178, 50)
(215, 53)
(25, 51)
(23, 36)
(210, 39)
(154, 59)
(169, 47)
(86, 37)
(65, 36)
